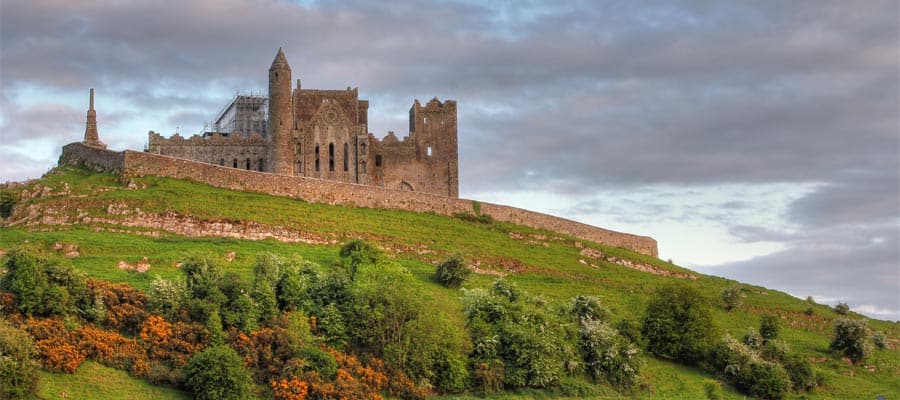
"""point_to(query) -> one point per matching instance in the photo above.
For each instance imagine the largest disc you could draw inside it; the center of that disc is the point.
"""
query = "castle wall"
(133, 163)
(233, 151)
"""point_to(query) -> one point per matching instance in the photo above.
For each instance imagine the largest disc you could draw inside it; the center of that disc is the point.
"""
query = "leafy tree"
(733, 296)
(202, 276)
(769, 327)
(44, 286)
(357, 253)
(879, 340)
(851, 338)
(588, 307)
(218, 373)
(607, 355)
(18, 369)
(452, 272)
(752, 339)
(767, 380)
(841, 308)
(166, 297)
(678, 324)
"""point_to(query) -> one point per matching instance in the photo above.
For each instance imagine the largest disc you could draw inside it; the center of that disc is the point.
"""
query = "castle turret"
(281, 116)
(91, 137)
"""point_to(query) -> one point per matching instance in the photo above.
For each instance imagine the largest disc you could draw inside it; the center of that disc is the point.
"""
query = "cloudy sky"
(754, 140)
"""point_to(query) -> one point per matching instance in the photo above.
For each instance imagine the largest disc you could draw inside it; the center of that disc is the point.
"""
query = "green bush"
(803, 375)
(678, 324)
(43, 285)
(879, 340)
(18, 369)
(166, 298)
(842, 308)
(733, 297)
(752, 339)
(588, 307)
(218, 373)
(764, 379)
(358, 253)
(769, 327)
(607, 355)
(851, 338)
(7, 202)
(452, 272)
(713, 390)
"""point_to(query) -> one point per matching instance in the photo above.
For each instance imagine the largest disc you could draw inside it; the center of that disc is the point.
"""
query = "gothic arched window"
(317, 158)
(346, 157)
(331, 157)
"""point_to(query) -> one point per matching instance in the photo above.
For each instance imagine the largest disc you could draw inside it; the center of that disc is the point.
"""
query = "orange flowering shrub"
(8, 304)
(113, 350)
(266, 351)
(289, 389)
(58, 355)
(172, 342)
(125, 305)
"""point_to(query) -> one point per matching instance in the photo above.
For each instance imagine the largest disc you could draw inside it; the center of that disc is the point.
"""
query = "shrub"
(713, 390)
(18, 369)
(357, 253)
(879, 340)
(7, 202)
(452, 272)
(678, 324)
(733, 297)
(752, 339)
(266, 351)
(124, 305)
(588, 307)
(167, 298)
(43, 286)
(851, 339)
(769, 327)
(803, 375)
(218, 373)
(607, 355)
(631, 330)
(764, 379)
(842, 308)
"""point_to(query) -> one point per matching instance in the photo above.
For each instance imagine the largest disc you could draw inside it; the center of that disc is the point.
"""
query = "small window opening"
(331, 157)
(259, 165)
(222, 162)
(378, 160)
(362, 148)
(429, 151)
(248, 164)
(234, 163)
(424, 120)
(317, 158)
(346, 157)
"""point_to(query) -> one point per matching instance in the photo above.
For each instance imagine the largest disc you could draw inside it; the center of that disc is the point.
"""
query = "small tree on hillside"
(733, 297)
(851, 338)
(842, 308)
(678, 324)
(768, 327)
(218, 373)
(452, 272)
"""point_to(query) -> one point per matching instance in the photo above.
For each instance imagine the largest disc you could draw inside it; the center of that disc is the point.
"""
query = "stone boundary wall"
(131, 163)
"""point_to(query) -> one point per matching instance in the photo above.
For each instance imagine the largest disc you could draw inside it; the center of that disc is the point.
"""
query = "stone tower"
(91, 137)
(281, 116)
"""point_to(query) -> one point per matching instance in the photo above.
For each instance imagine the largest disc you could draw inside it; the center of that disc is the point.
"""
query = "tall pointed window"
(317, 158)
(346, 157)
(331, 157)
(248, 164)
(234, 163)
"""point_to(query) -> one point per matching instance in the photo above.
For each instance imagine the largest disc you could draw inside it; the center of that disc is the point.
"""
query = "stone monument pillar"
(91, 137)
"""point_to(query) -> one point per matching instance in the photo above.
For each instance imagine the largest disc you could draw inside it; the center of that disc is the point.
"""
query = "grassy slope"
(548, 267)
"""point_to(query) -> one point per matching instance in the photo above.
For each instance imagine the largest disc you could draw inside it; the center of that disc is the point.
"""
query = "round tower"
(281, 116)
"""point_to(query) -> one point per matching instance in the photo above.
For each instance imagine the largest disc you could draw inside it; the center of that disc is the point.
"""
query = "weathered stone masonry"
(133, 164)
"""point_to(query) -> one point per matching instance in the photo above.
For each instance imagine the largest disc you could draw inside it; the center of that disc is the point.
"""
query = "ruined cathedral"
(324, 134)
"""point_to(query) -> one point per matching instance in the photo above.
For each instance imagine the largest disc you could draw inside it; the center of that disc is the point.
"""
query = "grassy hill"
(95, 215)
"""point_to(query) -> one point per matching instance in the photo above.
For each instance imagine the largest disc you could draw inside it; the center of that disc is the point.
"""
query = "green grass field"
(542, 263)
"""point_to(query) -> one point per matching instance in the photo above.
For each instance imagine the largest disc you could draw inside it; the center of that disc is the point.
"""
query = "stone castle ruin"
(324, 134)
(314, 145)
